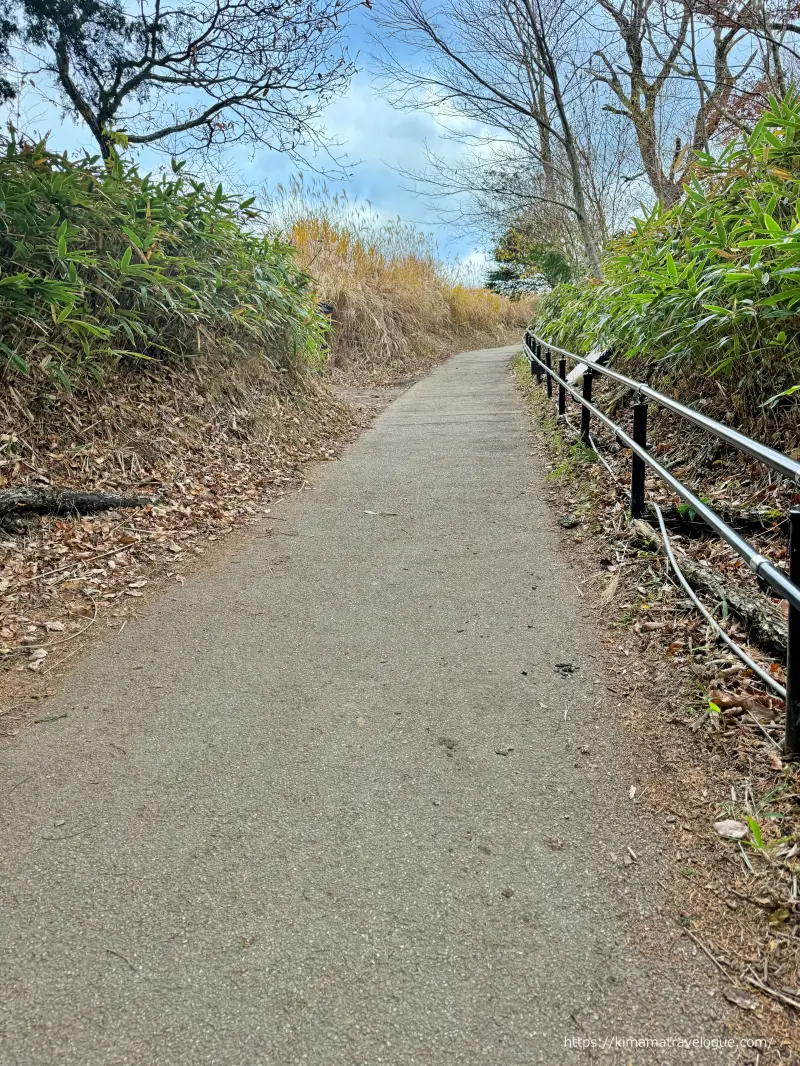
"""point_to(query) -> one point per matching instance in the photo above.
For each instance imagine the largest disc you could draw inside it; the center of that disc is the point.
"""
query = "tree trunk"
(579, 196)
(80, 104)
(668, 192)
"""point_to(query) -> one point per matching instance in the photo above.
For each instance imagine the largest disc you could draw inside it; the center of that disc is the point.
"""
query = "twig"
(703, 948)
(69, 836)
(753, 980)
(124, 958)
(718, 630)
(65, 640)
(63, 659)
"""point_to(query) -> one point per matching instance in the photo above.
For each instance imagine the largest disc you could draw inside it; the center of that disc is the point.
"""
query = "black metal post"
(562, 392)
(587, 395)
(637, 463)
(792, 741)
(538, 365)
(532, 346)
(549, 363)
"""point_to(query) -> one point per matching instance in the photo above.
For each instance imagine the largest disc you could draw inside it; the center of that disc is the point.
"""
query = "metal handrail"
(785, 586)
(788, 467)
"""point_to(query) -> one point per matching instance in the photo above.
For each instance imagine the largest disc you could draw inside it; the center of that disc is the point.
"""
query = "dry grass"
(396, 310)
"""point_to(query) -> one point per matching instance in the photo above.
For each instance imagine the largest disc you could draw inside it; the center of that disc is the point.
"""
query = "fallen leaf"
(730, 829)
(740, 999)
(37, 658)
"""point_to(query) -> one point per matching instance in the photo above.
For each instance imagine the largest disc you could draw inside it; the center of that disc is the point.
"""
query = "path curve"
(334, 802)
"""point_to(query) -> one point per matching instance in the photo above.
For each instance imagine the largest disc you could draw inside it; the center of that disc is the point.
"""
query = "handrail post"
(538, 350)
(562, 392)
(585, 414)
(549, 363)
(792, 736)
(637, 463)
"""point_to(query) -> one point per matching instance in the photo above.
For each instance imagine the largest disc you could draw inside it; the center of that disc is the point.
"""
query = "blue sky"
(373, 137)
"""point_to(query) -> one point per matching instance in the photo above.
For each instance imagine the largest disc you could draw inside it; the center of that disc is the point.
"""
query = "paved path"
(321, 805)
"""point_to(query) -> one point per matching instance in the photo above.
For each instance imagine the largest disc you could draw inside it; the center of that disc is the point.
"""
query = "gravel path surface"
(352, 797)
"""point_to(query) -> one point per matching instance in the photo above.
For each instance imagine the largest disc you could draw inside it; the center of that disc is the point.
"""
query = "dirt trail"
(353, 797)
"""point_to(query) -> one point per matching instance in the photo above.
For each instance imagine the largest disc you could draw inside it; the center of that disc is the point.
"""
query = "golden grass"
(395, 310)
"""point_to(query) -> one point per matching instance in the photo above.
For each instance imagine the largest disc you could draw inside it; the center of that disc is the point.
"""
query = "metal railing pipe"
(790, 468)
(761, 566)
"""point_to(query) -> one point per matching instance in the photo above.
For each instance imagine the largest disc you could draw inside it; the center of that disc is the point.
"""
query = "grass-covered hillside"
(102, 266)
(705, 297)
(396, 305)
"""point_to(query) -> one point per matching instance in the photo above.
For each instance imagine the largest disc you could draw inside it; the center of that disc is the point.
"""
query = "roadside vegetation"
(704, 297)
(396, 307)
(701, 299)
(103, 268)
(703, 730)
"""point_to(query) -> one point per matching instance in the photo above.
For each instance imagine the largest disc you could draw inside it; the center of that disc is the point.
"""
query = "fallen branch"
(47, 500)
(765, 625)
(757, 983)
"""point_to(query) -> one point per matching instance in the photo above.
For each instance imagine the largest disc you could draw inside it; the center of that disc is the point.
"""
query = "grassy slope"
(703, 300)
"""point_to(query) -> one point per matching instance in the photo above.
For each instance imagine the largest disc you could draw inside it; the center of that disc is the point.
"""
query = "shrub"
(707, 294)
(99, 265)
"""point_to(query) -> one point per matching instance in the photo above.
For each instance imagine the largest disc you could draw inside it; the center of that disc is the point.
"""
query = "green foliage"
(100, 264)
(708, 291)
(525, 257)
(755, 832)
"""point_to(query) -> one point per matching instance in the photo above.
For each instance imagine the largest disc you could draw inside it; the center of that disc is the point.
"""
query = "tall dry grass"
(396, 309)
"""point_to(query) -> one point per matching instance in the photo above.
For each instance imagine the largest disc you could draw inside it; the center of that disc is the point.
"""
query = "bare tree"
(208, 72)
(770, 30)
(8, 32)
(638, 79)
(503, 66)
(679, 72)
